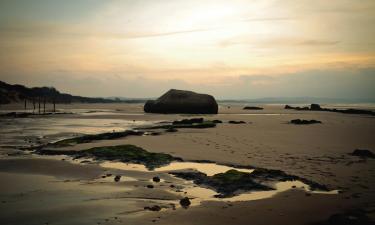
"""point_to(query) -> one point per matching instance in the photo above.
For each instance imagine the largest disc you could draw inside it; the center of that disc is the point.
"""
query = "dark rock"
(288, 107)
(179, 101)
(364, 153)
(185, 202)
(155, 208)
(315, 107)
(188, 121)
(236, 122)
(217, 121)
(302, 122)
(229, 183)
(123, 153)
(156, 179)
(252, 108)
(171, 130)
(117, 178)
(224, 183)
(150, 186)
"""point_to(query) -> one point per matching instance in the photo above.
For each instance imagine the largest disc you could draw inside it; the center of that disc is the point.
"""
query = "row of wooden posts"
(44, 105)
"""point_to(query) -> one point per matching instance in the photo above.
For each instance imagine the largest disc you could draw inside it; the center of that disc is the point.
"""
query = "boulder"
(364, 153)
(315, 107)
(180, 101)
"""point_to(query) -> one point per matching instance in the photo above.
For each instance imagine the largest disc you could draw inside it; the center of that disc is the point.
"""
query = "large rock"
(179, 101)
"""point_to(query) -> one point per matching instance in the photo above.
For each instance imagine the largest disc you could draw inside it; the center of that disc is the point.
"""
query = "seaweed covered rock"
(123, 153)
(180, 101)
(226, 184)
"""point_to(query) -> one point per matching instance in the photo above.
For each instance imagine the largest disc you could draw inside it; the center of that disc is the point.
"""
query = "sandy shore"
(317, 152)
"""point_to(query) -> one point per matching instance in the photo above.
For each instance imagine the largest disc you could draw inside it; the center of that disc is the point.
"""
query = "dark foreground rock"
(304, 122)
(232, 182)
(179, 101)
(185, 202)
(123, 153)
(252, 108)
(364, 153)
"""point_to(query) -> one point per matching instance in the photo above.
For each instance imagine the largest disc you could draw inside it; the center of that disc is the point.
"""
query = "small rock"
(117, 178)
(156, 179)
(153, 208)
(150, 186)
(185, 202)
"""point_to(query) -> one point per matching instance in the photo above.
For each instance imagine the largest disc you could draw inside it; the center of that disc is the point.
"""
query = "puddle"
(199, 194)
(208, 168)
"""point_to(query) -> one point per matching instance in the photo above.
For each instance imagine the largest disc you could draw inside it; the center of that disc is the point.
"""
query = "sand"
(318, 152)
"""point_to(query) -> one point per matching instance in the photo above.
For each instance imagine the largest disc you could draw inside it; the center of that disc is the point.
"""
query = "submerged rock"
(180, 101)
(252, 108)
(302, 122)
(364, 153)
(236, 122)
(185, 202)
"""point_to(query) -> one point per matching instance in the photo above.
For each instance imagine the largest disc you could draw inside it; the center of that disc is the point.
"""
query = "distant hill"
(18, 93)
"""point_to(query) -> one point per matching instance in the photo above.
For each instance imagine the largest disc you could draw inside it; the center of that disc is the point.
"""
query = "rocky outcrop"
(179, 101)
(364, 153)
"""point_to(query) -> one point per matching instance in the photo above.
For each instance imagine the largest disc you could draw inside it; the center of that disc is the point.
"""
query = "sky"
(238, 49)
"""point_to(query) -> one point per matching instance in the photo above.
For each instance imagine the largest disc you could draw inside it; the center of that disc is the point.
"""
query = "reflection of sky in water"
(208, 168)
(27, 131)
(199, 194)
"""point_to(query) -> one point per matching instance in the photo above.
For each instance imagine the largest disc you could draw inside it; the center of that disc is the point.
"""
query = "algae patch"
(123, 153)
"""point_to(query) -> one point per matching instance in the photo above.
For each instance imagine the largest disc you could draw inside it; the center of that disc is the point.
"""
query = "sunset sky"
(231, 49)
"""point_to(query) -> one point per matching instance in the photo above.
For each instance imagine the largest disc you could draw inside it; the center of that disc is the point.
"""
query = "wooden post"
(54, 105)
(44, 106)
(33, 105)
(39, 105)
(25, 104)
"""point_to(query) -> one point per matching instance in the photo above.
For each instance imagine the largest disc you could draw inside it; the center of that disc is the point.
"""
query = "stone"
(180, 101)
(185, 202)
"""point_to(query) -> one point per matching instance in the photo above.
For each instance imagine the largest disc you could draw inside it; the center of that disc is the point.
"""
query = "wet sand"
(318, 152)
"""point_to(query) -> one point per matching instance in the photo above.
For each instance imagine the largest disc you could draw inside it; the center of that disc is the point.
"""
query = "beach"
(58, 189)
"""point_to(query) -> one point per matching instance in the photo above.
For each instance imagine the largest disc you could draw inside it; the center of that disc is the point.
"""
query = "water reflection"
(208, 168)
